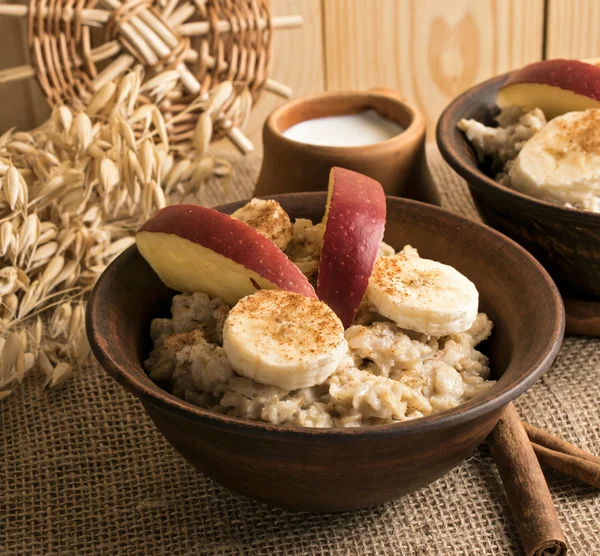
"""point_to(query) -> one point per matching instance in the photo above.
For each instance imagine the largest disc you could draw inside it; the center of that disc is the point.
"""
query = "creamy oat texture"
(555, 161)
(268, 218)
(503, 143)
(304, 248)
(387, 374)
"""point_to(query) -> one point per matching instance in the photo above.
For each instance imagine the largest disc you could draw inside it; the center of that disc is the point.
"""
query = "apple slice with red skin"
(354, 224)
(555, 86)
(198, 249)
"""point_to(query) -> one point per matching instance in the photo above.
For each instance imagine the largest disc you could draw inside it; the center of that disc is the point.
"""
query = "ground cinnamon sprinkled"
(305, 324)
(388, 275)
(176, 342)
(582, 132)
(386, 272)
(267, 218)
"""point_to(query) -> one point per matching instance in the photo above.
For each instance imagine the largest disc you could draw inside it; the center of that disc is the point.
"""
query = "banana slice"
(560, 163)
(422, 295)
(283, 339)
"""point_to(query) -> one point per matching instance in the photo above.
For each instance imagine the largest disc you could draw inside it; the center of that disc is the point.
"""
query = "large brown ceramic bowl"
(342, 469)
(566, 241)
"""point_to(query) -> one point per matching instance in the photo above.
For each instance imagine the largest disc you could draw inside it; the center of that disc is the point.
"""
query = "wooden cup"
(399, 163)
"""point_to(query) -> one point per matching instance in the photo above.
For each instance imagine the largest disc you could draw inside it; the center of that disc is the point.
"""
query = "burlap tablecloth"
(84, 471)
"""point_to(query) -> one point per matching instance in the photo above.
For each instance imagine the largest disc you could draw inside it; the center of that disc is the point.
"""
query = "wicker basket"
(77, 47)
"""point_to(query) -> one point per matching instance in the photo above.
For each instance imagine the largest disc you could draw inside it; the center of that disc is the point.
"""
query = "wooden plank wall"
(573, 29)
(298, 59)
(430, 50)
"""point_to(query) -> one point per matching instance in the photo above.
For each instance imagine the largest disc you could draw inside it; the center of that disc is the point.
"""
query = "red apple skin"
(573, 75)
(354, 226)
(232, 239)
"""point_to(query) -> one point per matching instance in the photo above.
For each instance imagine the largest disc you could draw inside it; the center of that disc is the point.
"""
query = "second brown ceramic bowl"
(399, 163)
(342, 469)
(566, 241)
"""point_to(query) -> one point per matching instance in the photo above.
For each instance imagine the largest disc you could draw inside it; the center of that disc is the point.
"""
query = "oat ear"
(76, 189)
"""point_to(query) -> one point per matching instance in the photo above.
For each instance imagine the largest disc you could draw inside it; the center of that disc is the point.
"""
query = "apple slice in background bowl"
(354, 224)
(555, 86)
(197, 249)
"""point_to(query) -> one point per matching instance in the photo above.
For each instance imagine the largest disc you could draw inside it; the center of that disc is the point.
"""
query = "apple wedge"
(198, 249)
(354, 222)
(555, 86)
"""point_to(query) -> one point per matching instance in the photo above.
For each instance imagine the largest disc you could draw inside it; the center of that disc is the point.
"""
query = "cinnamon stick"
(549, 440)
(526, 488)
(563, 456)
(580, 468)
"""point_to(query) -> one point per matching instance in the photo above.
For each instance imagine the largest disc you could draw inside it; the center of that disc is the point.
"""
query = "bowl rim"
(447, 138)
(148, 391)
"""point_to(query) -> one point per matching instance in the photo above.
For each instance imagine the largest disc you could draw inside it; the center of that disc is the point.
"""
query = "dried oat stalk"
(72, 193)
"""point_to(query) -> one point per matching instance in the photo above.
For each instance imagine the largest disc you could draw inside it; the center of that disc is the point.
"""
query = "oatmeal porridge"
(504, 142)
(373, 372)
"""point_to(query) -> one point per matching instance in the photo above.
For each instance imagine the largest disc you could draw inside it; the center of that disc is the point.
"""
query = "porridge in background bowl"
(566, 241)
(503, 143)
(547, 141)
(405, 350)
